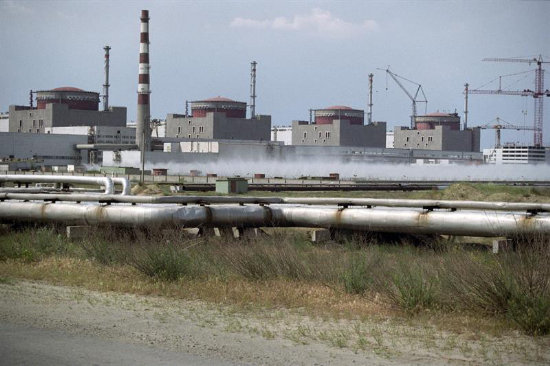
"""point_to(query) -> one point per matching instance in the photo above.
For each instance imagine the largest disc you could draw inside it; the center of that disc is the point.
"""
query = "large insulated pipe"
(101, 181)
(342, 202)
(143, 133)
(488, 224)
(125, 183)
(106, 84)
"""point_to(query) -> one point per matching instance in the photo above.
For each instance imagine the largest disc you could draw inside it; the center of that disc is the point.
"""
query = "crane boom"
(539, 92)
(414, 99)
(524, 93)
(503, 126)
(534, 60)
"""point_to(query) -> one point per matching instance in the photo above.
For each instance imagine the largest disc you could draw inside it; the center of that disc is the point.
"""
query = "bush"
(530, 313)
(163, 261)
(32, 244)
(266, 261)
(103, 252)
(411, 287)
(359, 275)
(477, 281)
(514, 284)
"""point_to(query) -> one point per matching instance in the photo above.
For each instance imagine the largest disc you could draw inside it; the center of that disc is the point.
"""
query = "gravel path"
(74, 321)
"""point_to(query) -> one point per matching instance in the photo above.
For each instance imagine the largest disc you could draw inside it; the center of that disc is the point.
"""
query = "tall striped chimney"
(143, 129)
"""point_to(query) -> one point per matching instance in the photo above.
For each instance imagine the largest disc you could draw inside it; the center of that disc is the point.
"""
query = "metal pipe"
(106, 182)
(102, 181)
(343, 202)
(126, 186)
(108, 147)
(401, 221)
(429, 204)
(28, 190)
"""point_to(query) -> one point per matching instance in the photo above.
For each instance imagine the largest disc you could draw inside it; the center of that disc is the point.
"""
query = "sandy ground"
(193, 332)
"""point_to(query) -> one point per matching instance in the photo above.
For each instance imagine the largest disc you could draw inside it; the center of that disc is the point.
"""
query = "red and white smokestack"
(143, 130)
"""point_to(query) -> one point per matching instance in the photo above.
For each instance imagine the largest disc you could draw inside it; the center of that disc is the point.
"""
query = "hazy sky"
(310, 54)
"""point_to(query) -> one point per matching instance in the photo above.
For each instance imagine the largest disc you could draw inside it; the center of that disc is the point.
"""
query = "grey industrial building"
(437, 131)
(37, 150)
(339, 126)
(218, 118)
(63, 107)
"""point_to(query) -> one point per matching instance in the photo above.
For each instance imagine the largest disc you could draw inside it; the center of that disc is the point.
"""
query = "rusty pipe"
(482, 223)
(373, 202)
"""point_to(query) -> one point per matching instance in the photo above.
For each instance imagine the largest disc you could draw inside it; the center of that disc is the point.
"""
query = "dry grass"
(358, 278)
(457, 191)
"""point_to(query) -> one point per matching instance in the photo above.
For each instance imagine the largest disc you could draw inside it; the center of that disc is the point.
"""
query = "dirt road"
(90, 327)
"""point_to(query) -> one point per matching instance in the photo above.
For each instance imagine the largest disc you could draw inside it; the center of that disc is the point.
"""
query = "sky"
(310, 54)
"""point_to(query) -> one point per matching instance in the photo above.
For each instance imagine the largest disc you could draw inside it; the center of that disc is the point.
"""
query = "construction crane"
(499, 124)
(414, 98)
(537, 94)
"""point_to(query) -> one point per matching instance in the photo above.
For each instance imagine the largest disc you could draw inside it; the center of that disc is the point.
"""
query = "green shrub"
(411, 287)
(530, 313)
(32, 244)
(358, 276)
(103, 251)
(164, 261)
(266, 260)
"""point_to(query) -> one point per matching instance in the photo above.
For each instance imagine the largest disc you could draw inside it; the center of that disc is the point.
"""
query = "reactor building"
(437, 131)
(218, 118)
(62, 107)
(339, 126)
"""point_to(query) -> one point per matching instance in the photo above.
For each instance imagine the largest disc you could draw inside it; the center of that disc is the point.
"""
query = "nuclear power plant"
(67, 127)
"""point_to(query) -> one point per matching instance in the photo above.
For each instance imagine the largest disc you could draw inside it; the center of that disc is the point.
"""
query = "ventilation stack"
(369, 113)
(106, 85)
(253, 89)
(143, 130)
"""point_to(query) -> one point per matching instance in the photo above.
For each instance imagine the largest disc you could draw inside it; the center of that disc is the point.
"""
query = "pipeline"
(126, 187)
(106, 182)
(342, 202)
(483, 223)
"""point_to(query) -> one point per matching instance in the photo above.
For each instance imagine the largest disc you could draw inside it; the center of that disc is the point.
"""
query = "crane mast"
(503, 125)
(537, 94)
(414, 99)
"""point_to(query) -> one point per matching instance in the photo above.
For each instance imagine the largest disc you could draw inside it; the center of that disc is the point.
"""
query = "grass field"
(359, 276)
(355, 276)
(458, 191)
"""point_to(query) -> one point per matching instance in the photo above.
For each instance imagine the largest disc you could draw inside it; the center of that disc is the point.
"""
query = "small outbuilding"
(231, 185)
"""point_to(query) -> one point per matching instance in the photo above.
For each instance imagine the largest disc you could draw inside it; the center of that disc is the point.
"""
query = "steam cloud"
(373, 171)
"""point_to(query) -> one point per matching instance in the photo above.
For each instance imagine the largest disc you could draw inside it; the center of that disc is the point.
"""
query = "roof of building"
(68, 89)
(439, 114)
(338, 107)
(218, 99)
